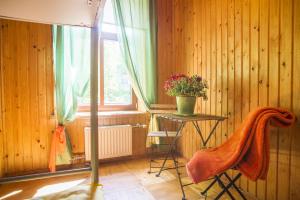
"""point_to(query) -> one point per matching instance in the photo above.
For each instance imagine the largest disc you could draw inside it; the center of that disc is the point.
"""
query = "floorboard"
(121, 180)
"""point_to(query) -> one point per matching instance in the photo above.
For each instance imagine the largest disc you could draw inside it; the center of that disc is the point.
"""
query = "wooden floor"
(121, 180)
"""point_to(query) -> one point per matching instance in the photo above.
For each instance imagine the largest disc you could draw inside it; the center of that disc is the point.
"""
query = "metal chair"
(163, 135)
(225, 186)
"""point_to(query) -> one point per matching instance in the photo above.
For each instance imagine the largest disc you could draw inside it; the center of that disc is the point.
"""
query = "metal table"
(182, 120)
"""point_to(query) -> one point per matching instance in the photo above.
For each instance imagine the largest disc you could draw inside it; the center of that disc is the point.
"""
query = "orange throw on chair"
(247, 149)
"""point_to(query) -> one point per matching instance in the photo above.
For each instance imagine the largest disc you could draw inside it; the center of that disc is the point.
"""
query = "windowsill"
(111, 113)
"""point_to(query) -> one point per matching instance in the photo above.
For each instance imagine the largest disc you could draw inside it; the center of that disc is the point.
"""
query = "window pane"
(117, 89)
(110, 28)
(108, 14)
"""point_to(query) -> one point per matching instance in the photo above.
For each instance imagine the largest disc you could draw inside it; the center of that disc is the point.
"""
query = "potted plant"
(186, 89)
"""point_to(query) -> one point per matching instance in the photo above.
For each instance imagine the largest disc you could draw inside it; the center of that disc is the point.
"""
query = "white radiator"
(114, 141)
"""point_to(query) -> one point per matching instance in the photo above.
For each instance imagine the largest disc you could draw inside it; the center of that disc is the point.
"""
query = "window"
(115, 91)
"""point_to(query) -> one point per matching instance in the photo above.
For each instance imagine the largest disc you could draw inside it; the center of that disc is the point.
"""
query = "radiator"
(114, 141)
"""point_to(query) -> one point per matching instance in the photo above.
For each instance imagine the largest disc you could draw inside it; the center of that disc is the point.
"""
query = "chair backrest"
(160, 109)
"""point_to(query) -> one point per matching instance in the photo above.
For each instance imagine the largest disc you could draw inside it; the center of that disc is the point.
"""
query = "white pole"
(94, 93)
(94, 105)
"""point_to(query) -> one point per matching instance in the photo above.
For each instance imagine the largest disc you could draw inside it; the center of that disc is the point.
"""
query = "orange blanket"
(247, 149)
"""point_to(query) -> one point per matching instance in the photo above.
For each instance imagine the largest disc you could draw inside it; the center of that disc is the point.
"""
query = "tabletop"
(187, 118)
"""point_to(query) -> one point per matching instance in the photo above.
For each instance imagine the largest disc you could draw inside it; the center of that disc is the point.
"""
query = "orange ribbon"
(58, 146)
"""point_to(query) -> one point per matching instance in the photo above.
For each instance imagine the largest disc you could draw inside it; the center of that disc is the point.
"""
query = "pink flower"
(177, 76)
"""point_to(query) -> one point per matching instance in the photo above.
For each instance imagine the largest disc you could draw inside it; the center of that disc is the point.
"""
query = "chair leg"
(179, 176)
(151, 159)
(234, 185)
(225, 188)
(209, 186)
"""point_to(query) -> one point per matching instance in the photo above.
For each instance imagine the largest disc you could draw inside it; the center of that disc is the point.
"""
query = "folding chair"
(225, 186)
(163, 135)
(247, 151)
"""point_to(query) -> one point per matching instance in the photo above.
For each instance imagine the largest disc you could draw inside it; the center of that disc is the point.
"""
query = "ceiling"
(68, 12)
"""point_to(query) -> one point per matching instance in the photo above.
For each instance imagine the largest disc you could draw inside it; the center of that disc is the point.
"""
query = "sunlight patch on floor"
(59, 187)
(10, 194)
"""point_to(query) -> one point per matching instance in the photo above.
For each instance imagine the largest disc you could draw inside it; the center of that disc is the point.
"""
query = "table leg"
(199, 131)
(171, 146)
(211, 133)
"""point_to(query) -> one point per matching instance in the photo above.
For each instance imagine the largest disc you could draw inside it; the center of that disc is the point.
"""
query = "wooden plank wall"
(165, 48)
(27, 117)
(249, 51)
(27, 106)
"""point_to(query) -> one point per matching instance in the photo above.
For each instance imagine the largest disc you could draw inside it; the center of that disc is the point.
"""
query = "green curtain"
(72, 73)
(72, 69)
(136, 21)
(137, 30)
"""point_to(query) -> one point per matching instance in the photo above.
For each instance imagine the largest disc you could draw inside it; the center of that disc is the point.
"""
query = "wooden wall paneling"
(186, 64)
(159, 67)
(2, 144)
(183, 66)
(205, 62)
(195, 65)
(189, 66)
(263, 76)
(254, 56)
(205, 10)
(224, 44)
(238, 45)
(32, 73)
(140, 137)
(197, 62)
(213, 74)
(245, 67)
(42, 89)
(171, 53)
(259, 67)
(219, 70)
(231, 67)
(8, 64)
(16, 106)
(272, 183)
(165, 48)
(3, 111)
(193, 39)
(50, 113)
(237, 63)
(70, 129)
(200, 66)
(295, 149)
(285, 96)
(23, 95)
(208, 65)
(176, 35)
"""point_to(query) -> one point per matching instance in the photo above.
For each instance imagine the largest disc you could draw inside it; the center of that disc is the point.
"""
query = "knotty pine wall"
(27, 103)
(27, 117)
(249, 51)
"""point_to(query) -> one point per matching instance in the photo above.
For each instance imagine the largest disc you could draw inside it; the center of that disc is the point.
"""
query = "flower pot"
(185, 105)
